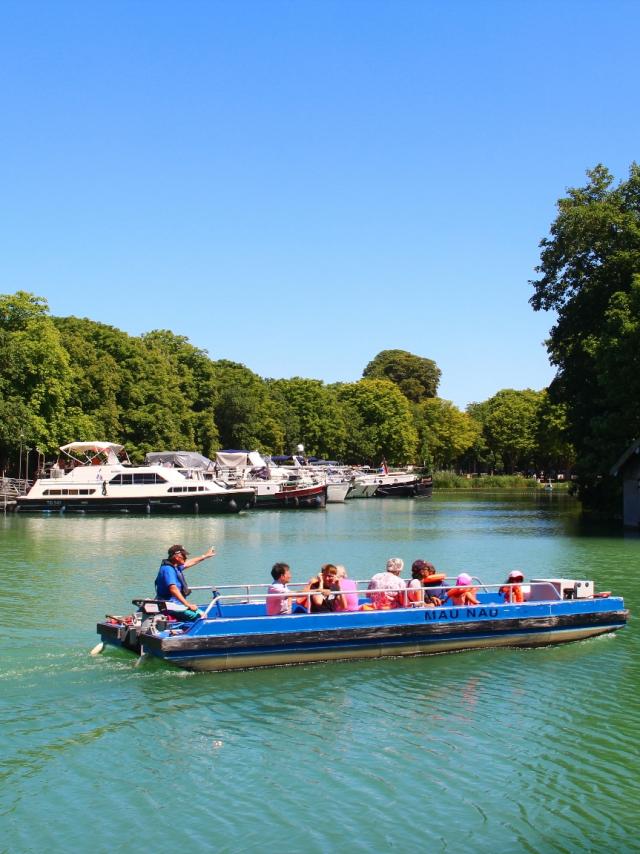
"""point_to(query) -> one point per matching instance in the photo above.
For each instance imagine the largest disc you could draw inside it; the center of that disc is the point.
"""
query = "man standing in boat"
(171, 585)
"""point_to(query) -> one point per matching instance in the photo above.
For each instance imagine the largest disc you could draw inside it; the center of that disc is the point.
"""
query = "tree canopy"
(416, 377)
(380, 422)
(590, 276)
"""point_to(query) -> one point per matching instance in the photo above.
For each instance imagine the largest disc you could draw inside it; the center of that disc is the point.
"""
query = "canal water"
(483, 751)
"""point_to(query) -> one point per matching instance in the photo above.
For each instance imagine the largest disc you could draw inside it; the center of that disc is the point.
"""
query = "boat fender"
(233, 507)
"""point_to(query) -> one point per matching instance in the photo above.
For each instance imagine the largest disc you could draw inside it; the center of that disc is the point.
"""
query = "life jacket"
(184, 587)
(512, 594)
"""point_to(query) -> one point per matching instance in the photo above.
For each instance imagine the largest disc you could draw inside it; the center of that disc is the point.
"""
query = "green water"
(487, 751)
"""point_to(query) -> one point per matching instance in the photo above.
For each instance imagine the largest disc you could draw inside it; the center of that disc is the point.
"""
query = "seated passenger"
(512, 589)
(423, 577)
(326, 590)
(463, 593)
(280, 598)
(387, 589)
(348, 600)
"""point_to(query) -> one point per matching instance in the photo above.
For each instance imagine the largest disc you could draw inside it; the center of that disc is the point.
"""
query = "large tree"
(311, 414)
(416, 377)
(246, 415)
(509, 422)
(380, 422)
(589, 275)
(445, 432)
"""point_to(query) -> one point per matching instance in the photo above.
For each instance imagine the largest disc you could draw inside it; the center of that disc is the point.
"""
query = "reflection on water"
(493, 750)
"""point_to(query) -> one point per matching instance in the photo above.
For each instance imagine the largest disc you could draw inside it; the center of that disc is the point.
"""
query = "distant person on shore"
(171, 585)
(463, 593)
(512, 588)
(387, 589)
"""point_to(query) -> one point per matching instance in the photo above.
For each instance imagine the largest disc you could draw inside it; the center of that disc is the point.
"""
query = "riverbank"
(449, 480)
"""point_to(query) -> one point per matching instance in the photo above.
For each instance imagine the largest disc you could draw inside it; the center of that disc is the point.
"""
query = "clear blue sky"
(299, 185)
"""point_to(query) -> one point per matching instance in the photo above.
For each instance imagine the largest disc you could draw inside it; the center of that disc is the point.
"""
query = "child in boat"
(280, 598)
(512, 589)
(463, 593)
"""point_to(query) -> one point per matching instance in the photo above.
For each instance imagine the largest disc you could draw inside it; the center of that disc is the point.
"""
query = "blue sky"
(299, 185)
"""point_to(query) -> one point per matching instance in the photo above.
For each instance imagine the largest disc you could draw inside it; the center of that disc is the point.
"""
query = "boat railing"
(248, 594)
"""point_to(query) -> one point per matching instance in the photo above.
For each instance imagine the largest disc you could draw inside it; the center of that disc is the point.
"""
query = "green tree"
(416, 377)
(509, 424)
(311, 414)
(555, 452)
(246, 415)
(445, 432)
(35, 377)
(589, 270)
(380, 422)
(196, 379)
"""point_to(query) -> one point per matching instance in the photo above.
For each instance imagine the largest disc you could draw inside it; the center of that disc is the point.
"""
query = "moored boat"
(274, 486)
(97, 477)
(235, 633)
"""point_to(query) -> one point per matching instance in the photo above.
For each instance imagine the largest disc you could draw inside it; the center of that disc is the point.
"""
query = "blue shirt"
(168, 575)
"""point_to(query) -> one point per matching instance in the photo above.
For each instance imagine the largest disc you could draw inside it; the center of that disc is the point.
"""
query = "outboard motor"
(153, 615)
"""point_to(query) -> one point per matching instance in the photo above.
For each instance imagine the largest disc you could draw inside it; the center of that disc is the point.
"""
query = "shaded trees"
(310, 413)
(589, 269)
(246, 415)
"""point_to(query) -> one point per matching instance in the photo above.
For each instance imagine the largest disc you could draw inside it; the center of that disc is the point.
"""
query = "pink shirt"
(350, 589)
(278, 605)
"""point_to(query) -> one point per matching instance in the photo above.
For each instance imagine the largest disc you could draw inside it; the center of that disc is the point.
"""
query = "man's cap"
(464, 579)
(515, 574)
(175, 549)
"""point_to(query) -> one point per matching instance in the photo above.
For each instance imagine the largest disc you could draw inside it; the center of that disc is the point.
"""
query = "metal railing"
(257, 593)
(11, 488)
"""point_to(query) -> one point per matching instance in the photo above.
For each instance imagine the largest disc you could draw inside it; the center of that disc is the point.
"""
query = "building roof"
(631, 450)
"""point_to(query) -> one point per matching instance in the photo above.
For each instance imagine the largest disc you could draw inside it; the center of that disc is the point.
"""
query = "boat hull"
(201, 503)
(249, 642)
(299, 497)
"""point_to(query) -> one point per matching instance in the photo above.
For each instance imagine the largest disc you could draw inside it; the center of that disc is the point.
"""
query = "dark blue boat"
(236, 633)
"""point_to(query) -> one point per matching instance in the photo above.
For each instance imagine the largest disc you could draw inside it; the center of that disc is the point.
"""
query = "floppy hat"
(464, 579)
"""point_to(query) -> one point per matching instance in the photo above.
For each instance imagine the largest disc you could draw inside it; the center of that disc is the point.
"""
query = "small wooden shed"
(629, 467)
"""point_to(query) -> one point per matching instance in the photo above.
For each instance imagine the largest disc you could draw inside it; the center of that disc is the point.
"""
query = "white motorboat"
(97, 477)
(274, 486)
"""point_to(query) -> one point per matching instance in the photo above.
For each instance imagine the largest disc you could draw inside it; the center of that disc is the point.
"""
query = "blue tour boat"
(235, 632)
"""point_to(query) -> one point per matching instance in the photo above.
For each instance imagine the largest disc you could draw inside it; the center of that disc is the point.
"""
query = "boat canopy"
(86, 452)
(239, 459)
(179, 459)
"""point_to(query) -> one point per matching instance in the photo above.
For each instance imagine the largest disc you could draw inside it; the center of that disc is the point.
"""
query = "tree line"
(71, 379)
